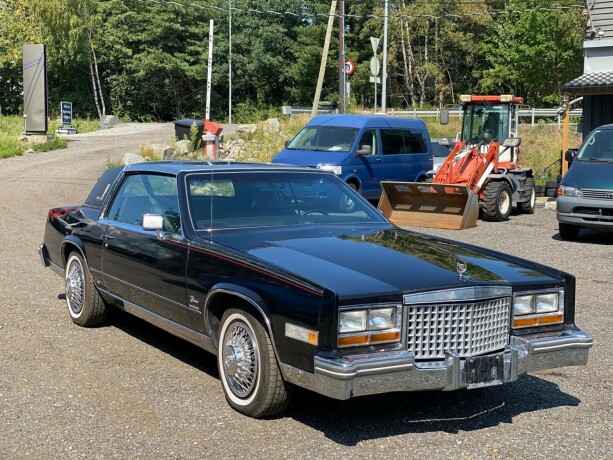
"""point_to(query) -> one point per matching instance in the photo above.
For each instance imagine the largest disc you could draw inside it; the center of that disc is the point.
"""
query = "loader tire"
(527, 207)
(497, 202)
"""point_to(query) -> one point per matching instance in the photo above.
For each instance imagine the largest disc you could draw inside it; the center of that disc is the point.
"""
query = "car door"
(146, 268)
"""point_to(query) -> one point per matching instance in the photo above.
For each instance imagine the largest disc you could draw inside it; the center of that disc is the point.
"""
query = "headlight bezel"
(567, 190)
(537, 308)
(382, 324)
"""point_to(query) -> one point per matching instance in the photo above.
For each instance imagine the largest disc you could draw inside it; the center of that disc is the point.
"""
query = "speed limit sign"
(349, 67)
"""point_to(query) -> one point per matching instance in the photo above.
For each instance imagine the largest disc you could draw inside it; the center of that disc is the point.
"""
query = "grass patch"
(10, 129)
(54, 144)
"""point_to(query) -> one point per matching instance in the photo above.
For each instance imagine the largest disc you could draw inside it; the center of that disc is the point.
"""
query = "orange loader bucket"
(422, 204)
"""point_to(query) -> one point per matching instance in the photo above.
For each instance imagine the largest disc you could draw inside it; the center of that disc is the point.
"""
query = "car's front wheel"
(85, 305)
(248, 369)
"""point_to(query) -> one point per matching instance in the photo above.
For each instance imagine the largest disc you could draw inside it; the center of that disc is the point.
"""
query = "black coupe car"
(268, 268)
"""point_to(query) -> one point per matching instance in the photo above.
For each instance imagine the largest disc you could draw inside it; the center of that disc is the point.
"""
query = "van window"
(401, 141)
(324, 138)
(368, 141)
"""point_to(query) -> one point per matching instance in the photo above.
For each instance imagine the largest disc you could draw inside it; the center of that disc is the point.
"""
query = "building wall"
(597, 111)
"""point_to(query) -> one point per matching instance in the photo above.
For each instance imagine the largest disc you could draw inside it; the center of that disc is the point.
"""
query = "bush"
(54, 144)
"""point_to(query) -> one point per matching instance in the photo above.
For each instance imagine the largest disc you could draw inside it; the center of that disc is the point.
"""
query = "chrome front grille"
(468, 328)
(597, 194)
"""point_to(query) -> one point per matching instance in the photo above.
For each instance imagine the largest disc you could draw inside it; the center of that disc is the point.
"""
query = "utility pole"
(341, 57)
(230, 61)
(324, 59)
(384, 73)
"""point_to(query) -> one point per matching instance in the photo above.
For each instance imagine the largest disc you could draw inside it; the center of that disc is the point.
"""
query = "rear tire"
(497, 201)
(568, 232)
(248, 369)
(527, 207)
(85, 305)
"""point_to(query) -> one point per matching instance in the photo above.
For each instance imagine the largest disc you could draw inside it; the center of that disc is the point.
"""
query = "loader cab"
(490, 118)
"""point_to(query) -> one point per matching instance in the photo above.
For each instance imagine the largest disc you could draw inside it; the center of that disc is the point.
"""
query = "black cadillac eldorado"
(291, 278)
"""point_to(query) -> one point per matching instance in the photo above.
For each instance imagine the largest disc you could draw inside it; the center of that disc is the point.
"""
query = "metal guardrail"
(533, 114)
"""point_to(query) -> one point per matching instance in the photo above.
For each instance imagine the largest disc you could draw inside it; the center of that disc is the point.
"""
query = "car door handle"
(107, 237)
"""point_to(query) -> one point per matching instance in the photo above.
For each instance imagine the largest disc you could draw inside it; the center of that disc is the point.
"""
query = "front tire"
(85, 305)
(497, 201)
(248, 370)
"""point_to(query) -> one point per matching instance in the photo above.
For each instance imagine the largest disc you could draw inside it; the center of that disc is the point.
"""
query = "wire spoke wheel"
(240, 359)
(75, 287)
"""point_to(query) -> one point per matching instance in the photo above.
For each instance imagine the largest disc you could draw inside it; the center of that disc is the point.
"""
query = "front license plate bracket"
(484, 371)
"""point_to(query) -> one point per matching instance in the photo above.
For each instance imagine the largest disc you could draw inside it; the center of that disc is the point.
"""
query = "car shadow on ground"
(353, 421)
(588, 236)
(370, 417)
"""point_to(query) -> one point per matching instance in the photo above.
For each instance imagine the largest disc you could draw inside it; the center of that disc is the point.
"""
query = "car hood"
(361, 263)
(590, 174)
(310, 157)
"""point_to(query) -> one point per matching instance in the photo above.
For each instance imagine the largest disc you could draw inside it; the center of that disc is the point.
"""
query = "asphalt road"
(129, 390)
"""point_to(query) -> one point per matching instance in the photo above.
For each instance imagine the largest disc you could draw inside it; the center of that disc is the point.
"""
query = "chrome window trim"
(464, 294)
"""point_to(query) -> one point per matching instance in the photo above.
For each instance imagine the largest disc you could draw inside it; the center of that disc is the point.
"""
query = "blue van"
(363, 150)
(585, 196)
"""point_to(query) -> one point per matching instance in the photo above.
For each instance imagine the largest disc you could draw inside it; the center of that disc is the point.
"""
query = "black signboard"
(66, 108)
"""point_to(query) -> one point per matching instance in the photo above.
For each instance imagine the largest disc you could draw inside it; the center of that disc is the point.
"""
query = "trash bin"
(183, 127)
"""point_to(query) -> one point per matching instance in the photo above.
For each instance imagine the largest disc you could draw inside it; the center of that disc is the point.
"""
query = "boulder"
(249, 130)
(169, 154)
(272, 126)
(183, 147)
(130, 158)
(108, 121)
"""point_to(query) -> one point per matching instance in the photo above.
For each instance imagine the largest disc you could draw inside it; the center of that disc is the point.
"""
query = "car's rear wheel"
(248, 369)
(85, 305)
(568, 232)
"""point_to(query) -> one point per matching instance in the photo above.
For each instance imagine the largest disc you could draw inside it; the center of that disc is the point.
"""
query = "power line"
(306, 15)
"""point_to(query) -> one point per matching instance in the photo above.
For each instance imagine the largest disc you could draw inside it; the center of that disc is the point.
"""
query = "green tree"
(532, 54)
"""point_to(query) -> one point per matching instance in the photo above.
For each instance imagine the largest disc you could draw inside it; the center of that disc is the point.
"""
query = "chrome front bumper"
(344, 378)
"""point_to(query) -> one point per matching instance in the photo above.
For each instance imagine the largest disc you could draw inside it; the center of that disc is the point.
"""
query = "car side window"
(402, 141)
(141, 194)
(368, 141)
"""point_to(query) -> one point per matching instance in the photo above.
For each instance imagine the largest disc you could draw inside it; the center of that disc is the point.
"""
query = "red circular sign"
(349, 67)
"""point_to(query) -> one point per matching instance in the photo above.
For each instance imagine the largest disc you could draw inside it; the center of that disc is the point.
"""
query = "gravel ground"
(129, 390)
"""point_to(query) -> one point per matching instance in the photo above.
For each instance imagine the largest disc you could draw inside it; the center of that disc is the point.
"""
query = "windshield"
(486, 123)
(598, 147)
(324, 138)
(260, 199)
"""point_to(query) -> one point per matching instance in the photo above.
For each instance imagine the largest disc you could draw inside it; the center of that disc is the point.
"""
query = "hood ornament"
(461, 268)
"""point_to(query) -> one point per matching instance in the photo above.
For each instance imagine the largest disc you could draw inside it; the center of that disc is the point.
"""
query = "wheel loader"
(481, 173)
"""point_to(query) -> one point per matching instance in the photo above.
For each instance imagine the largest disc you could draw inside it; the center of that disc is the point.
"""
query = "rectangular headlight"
(381, 318)
(522, 305)
(546, 303)
(352, 321)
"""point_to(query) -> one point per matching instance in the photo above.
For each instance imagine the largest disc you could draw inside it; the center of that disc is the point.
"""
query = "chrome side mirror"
(153, 222)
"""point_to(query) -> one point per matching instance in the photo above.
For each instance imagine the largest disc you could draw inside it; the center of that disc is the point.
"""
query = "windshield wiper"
(600, 160)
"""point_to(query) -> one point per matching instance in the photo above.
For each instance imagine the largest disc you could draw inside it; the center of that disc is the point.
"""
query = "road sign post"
(374, 66)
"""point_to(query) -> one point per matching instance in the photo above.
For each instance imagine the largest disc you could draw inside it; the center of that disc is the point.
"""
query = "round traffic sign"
(349, 67)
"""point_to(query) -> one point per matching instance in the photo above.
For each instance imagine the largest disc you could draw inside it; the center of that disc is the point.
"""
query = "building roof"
(590, 83)
(601, 18)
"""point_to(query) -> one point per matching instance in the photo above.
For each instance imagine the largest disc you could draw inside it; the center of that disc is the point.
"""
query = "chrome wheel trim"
(504, 203)
(240, 359)
(75, 287)
(533, 198)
